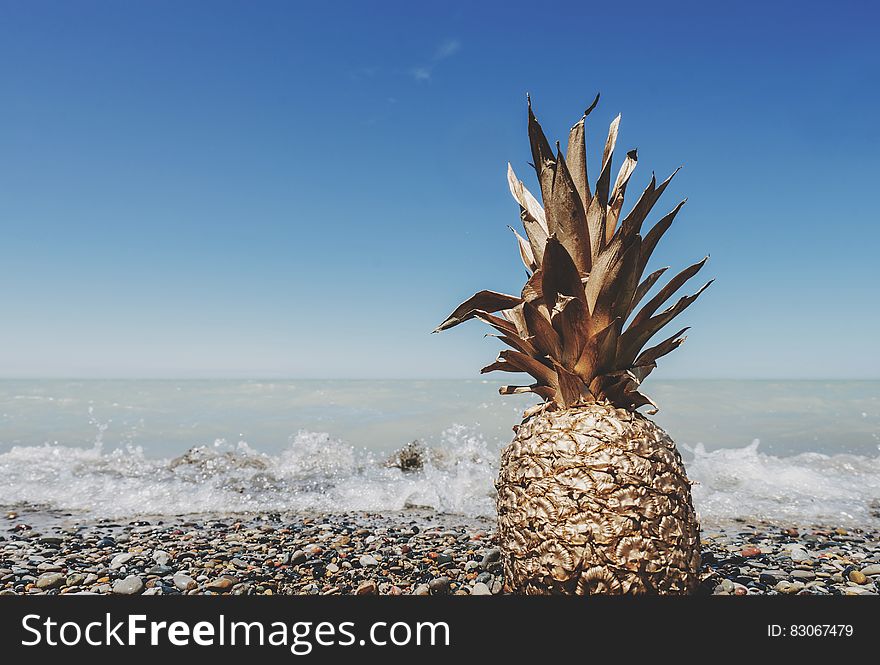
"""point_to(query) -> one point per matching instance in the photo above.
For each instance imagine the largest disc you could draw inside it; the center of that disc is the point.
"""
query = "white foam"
(318, 473)
(315, 472)
(804, 488)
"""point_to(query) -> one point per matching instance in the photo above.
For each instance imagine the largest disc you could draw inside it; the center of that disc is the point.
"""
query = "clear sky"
(307, 189)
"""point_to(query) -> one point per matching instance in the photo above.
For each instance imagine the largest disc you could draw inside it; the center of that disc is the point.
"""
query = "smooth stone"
(368, 588)
(120, 560)
(789, 587)
(50, 580)
(184, 582)
(161, 557)
(491, 555)
(130, 586)
(803, 575)
(75, 579)
(439, 585)
(858, 577)
(799, 554)
(367, 560)
(297, 557)
(422, 590)
(873, 569)
(221, 584)
(480, 589)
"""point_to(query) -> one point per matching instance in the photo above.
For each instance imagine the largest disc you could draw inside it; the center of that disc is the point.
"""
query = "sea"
(792, 452)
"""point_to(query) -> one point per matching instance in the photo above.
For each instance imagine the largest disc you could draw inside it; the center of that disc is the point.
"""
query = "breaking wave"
(318, 473)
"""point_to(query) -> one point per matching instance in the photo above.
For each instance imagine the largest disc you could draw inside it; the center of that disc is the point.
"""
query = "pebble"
(412, 553)
(130, 586)
(480, 589)
(439, 585)
(221, 584)
(50, 581)
(799, 554)
(367, 561)
(184, 582)
(803, 574)
(858, 577)
(120, 560)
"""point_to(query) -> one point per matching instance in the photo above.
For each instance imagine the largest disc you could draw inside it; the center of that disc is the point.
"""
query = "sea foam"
(316, 472)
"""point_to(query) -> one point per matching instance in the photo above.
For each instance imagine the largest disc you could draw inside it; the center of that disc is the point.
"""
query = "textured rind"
(595, 499)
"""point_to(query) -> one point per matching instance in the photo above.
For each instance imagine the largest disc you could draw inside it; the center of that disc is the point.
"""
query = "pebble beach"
(406, 553)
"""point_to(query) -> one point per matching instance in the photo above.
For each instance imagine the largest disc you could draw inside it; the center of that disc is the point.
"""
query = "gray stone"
(120, 560)
(439, 585)
(803, 575)
(367, 561)
(184, 582)
(480, 589)
(799, 554)
(130, 586)
(491, 555)
(50, 580)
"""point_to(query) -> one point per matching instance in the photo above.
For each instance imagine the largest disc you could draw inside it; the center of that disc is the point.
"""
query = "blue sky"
(288, 189)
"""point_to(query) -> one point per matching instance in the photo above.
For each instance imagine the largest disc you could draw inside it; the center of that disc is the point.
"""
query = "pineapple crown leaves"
(568, 327)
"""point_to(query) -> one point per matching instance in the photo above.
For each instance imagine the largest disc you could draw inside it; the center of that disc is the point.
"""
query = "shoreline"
(410, 552)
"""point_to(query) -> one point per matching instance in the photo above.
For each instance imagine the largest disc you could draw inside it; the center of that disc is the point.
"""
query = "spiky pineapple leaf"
(487, 301)
(635, 337)
(543, 335)
(645, 286)
(666, 292)
(542, 157)
(603, 185)
(668, 345)
(567, 219)
(560, 274)
(649, 243)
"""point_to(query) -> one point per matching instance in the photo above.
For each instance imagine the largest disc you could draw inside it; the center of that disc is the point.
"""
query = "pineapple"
(592, 495)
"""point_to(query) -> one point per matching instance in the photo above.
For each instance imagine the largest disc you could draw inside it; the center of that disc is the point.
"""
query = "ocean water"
(794, 452)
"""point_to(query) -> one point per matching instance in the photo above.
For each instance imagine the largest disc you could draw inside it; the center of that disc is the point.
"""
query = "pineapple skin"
(595, 500)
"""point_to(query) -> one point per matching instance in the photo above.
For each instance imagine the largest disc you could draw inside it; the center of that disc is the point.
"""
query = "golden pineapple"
(592, 495)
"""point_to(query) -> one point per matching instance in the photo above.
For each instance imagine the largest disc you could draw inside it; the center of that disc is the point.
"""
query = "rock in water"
(409, 458)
